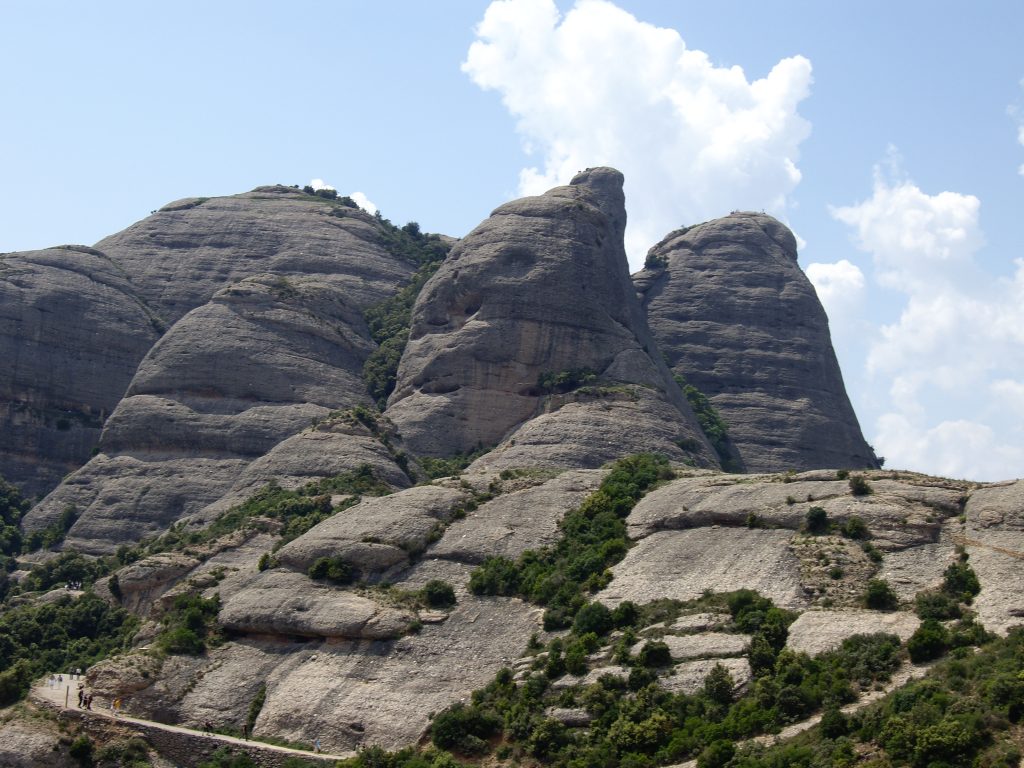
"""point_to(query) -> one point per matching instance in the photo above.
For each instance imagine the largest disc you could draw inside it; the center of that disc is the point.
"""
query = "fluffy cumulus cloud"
(951, 365)
(318, 184)
(599, 87)
(363, 202)
(840, 286)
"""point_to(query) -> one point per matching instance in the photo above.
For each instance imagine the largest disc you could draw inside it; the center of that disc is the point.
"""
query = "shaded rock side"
(227, 383)
(188, 250)
(541, 287)
(72, 331)
(733, 312)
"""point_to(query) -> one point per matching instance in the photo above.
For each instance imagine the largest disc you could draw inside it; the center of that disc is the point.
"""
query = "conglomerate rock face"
(253, 357)
(72, 331)
(231, 379)
(530, 340)
(734, 314)
(540, 288)
(188, 250)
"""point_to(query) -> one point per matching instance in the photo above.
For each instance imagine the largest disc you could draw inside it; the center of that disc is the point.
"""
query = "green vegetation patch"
(190, 625)
(635, 722)
(966, 712)
(593, 539)
(38, 639)
(389, 320)
(711, 423)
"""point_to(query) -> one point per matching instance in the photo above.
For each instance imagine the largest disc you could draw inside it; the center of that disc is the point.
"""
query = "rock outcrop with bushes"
(329, 478)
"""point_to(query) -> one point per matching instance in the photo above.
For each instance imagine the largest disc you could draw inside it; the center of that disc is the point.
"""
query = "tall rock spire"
(733, 312)
(540, 289)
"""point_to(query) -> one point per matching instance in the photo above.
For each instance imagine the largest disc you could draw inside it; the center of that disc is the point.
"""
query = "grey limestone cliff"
(72, 331)
(733, 312)
(234, 377)
(539, 288)
(190, 249)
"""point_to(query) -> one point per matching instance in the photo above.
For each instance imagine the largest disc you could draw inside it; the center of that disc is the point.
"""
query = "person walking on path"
(316, 745)
(245, 731)
(81, 695)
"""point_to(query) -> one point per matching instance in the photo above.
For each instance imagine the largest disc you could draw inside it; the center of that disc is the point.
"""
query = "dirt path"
(983, 545)
(903, 676)
(67, 691)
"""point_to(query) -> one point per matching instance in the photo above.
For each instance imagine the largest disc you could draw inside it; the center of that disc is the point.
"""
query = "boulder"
(278, 602)
(815, 632)
(732, 311)
(378, 534)
(514, 522)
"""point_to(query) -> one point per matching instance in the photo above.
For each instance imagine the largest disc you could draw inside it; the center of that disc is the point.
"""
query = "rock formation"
(528, 348)
(72, 331)
(537, 291)
(734, 314)
(190, 249)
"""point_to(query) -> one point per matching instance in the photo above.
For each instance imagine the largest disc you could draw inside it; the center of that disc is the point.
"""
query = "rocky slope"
(540, 289)
(188, 250)
(354, 667)
(255, 362)
(72, 331)
(530, 349)
(733, 313)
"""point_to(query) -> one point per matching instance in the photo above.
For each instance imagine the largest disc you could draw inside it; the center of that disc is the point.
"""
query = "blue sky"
(886, 134)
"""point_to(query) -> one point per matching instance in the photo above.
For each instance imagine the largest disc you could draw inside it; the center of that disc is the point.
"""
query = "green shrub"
(859, 486)
(929, 641)
(719, 685)
(960, 581)
(936, 605)
(855, 528)
(462, 728)
(816, 520)
(81, 750)
(438, 594)
(879, 596)
(593, 617)
(190, 625)
(654, 653)
(717, 754)
(333, 569)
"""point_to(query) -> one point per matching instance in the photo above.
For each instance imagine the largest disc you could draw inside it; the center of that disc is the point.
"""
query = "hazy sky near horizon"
(889, 136)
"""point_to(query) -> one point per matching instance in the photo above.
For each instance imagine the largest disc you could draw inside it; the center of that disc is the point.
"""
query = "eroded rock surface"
(815, 632)
(994, 538)
(72, 331)
(279, 602)
(378, 534)
(190, 249)
(514, 522)
(233, 378)
(541, 287)
(733, 313)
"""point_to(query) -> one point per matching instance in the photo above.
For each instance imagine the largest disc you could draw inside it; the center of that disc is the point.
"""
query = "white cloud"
(318, 184)
(363, 202)
(951, 364)
(840, 286)
(599, 87)
(958, 448)
(916, 239)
